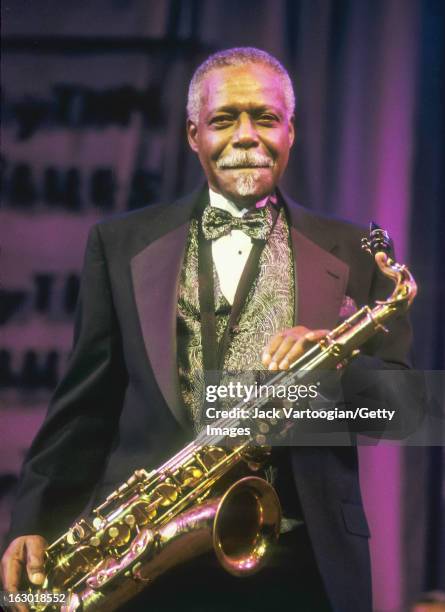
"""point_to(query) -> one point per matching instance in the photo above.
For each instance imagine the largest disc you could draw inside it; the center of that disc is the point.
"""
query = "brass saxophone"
(158, 519)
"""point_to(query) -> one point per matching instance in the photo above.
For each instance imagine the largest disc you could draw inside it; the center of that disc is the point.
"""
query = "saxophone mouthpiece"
(379, 240)
(380, 246)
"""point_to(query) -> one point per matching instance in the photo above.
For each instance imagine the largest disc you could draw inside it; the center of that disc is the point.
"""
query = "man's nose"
(245, 134)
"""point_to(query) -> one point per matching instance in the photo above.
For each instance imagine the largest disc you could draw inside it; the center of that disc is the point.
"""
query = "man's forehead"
(257, 84)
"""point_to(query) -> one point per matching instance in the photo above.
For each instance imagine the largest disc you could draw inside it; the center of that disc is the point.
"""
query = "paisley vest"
(268, 308)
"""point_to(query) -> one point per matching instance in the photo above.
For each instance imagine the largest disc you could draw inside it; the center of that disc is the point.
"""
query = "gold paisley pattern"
(269, 308)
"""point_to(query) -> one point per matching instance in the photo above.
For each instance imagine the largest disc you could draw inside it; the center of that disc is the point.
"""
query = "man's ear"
(192, 135)
(292, 130)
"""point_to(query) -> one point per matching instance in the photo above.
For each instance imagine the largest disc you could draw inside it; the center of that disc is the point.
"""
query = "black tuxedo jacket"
(118, 406)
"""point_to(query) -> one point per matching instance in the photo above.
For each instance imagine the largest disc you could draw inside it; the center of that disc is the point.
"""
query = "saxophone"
(197, 501)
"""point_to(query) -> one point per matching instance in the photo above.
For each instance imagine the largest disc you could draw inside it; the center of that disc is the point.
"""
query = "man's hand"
(287, 346)
(25, 551)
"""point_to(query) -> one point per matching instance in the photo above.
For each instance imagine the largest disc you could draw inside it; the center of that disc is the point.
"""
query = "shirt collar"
(218, 200)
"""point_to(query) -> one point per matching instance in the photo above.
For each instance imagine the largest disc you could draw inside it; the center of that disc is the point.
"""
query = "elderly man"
(235, 276)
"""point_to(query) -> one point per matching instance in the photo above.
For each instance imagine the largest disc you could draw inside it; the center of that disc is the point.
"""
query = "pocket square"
(348, 308)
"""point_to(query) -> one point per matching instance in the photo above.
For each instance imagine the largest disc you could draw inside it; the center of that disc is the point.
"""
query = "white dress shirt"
(230, 252)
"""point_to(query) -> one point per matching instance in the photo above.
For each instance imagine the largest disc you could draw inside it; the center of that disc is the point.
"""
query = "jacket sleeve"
(70, 451)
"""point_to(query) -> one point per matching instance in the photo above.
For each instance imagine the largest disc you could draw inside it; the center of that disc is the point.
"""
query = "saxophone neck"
(380, 246)
(405, 287)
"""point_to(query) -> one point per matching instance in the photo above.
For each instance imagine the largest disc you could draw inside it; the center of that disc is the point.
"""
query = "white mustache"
(244, 159)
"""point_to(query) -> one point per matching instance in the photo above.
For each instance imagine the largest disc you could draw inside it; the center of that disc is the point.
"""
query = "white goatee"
(246, 183)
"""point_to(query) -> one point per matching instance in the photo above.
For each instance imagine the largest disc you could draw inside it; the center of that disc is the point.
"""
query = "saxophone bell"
(240, 526)
(246, 523)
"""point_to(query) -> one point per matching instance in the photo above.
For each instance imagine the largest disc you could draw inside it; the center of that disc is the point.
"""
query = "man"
(132, 392)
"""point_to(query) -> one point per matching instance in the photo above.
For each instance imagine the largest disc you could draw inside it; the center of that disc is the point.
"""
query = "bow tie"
(217, 222)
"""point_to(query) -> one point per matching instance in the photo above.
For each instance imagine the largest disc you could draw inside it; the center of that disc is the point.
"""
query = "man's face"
(244, 134)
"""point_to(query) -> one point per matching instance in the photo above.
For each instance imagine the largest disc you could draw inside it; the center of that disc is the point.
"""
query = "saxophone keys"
(366, 245)
(190, 476)
(97, 522)
(75, 534)
(130, 520)
(119, 534)
(168, 493)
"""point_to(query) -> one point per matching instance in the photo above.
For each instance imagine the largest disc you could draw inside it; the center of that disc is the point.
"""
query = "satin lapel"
(321, 280)
(155, 273)
(320, 277)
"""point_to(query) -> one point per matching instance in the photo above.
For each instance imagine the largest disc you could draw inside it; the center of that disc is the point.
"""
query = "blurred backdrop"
(93, 115)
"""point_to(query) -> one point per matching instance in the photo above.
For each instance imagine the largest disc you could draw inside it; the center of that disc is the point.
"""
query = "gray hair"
(237, 56)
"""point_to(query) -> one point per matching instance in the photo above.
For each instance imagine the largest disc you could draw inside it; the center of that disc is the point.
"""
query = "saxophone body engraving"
(197, 499)
(159, 519)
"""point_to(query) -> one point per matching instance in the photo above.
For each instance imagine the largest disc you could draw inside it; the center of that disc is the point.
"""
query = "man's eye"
(266, 118)
(221, 120)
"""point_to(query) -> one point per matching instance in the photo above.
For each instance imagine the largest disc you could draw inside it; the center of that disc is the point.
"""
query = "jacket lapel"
(320, 277)
(155, 274)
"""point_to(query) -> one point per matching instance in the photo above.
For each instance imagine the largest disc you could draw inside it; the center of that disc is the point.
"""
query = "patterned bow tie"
(217, 222)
